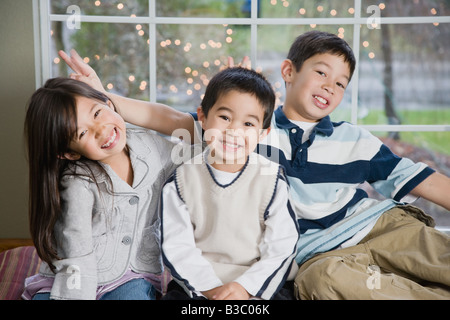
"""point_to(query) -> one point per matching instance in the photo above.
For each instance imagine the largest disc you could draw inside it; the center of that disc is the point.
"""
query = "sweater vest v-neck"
(228, 220)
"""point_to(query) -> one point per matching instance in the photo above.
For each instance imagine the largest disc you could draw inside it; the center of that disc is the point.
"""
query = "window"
(166, 51)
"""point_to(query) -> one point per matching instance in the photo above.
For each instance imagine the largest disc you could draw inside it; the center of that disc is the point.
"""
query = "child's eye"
(321, 73)
(249, 124)
(224, 118)
(82, 134)
(340, 85)
(97, 113)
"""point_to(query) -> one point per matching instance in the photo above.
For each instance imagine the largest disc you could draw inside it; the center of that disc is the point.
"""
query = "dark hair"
(242, 80)
(50, 126)
(318, 42)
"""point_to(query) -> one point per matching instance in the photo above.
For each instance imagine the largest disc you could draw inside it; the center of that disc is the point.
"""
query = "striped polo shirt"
(325, 173)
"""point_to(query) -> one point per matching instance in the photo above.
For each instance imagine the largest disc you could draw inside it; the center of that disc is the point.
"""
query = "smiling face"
(233, 129)
(101, 132)
(317, 88)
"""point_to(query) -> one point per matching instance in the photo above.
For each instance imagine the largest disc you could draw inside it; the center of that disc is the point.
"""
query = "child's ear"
(263, 133)
(200, 115)
(287, 69)
(70, 156)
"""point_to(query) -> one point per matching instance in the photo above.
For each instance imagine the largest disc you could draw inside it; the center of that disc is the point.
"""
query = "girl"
(94, 190)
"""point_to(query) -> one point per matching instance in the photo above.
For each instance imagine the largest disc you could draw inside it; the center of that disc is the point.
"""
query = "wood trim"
(6, 244)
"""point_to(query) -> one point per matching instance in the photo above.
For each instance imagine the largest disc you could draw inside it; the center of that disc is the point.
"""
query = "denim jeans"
(137, 289)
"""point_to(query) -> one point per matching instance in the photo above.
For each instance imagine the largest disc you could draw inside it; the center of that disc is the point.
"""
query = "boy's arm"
(155, 116)
(435, 188)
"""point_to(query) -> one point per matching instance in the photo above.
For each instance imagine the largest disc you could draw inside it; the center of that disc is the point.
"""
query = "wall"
(17, 83)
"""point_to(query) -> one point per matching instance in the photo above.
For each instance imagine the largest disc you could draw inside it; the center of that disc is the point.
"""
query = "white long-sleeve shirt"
(193, 270)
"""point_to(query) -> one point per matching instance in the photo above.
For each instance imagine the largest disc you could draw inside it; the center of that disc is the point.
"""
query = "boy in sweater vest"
(227, 228)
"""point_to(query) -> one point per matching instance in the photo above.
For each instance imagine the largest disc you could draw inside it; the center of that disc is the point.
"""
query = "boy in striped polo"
(369, 249)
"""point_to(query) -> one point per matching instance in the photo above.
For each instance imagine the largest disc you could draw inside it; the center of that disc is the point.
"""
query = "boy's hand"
(83, 71)
(229, 291)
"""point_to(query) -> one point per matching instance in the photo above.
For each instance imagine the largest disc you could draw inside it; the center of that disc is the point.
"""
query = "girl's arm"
(155, 116)
(435, 188)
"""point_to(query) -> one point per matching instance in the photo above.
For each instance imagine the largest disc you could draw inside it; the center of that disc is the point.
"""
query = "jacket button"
(134, 200)
(126, 240)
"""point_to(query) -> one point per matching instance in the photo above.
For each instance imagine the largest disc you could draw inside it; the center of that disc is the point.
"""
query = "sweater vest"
(228, 220)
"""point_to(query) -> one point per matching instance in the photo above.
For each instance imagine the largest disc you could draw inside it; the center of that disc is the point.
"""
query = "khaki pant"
(401, 258)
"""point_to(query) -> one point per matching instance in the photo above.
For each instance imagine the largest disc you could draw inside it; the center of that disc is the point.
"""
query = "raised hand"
(83, 71)
(245, 63)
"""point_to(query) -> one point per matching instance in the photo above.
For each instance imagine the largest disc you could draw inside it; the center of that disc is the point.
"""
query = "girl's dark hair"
(242, 80)
(50, 126)
(315, 42)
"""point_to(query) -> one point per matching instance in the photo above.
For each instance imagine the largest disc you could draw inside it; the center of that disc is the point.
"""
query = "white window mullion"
(44, 41)
(152, 50)
(254, 33)
(355, 77)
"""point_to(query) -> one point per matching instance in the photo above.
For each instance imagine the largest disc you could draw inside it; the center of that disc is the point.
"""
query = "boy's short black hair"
(242, 80)
(318, 42)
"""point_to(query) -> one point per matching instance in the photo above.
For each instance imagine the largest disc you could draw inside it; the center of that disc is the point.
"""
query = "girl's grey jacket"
(105, 229)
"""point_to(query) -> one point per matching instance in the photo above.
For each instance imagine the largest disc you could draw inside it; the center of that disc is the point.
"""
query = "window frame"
(43, 18)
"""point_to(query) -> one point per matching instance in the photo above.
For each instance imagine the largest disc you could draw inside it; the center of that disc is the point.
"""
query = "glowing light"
(365, 44)
(131, 78)
(190, 80)
(229, 32)
(141, 32)
(138, 27)
(187, 70)
(86, 59)
(313, 25)
(382, 6)
(333, 12)
(351, 10)
(195, 73)
(285, 4)
(97, 3)
(177, 42)
(371, 55)
(197, 86)
(217, 62)
(302, 11)
(229, 40)
(206, 64)
(341, 30)
(203, 46)
(120, 6)
(436, 23)
(109, 86)
(56, 60)
(433, 11)
(273, 2)
(189, 92)
(320, 8)
(97, 57)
